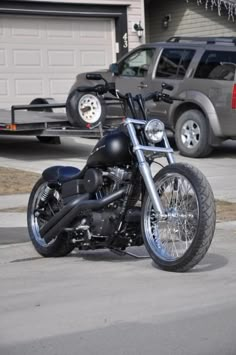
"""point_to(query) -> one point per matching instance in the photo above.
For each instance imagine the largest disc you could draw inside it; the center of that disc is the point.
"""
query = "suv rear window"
(174, 63)
(217, 65)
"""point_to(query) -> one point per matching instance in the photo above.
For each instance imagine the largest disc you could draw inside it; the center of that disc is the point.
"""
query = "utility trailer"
(39, 120)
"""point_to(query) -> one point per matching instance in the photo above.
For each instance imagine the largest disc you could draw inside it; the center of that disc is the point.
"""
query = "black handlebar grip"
(94, 76)
(167, 86)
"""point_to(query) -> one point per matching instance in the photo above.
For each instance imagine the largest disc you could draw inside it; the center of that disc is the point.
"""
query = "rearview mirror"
(94, 76)
(114, 68)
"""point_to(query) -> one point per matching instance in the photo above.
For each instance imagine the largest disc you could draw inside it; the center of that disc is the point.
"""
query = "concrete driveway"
(99, 303)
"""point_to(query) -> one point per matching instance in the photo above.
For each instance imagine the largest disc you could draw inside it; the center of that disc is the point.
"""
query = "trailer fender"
(38, 101)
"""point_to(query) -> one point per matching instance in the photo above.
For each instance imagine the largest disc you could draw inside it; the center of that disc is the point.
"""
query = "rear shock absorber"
(45, 196)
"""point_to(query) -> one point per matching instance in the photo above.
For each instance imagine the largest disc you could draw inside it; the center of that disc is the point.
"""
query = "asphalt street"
(101, 303)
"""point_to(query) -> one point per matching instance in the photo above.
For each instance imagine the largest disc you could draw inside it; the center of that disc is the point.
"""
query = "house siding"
(187, 19)
(135, 13)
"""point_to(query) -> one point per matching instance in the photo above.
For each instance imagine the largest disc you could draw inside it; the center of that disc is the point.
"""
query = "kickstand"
(123, 253)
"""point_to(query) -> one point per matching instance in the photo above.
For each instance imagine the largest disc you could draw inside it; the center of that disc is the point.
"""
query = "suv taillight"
(234, 97)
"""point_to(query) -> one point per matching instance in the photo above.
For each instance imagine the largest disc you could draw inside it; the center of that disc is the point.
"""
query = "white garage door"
(40, 57)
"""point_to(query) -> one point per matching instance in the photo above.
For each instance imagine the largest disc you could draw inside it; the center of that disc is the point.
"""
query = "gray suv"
(202, 71)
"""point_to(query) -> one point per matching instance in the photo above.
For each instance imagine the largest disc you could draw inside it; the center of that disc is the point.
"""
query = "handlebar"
(107, 87)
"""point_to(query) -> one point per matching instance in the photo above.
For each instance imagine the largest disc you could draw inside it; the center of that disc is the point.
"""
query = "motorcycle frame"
(144, 167)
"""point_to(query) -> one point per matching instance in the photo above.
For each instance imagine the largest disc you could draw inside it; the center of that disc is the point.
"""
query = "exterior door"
(134, 72)
(171, 69)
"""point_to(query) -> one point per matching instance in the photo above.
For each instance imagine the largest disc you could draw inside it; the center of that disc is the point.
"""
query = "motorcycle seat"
(60, 174)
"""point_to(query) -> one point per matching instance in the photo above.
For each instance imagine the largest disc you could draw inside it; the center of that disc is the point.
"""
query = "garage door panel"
(58, 31)
(4, 90)
(60, 87)
(61, 58)
(87, 58)
(28, 87)
(41, 56)
(26, 30)
(92, 30)
(3, 58)
(27, 58)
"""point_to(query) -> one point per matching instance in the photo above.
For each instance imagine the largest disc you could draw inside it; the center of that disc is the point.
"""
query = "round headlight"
(154, 130)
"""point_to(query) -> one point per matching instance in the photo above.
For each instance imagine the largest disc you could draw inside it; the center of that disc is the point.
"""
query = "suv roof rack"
(207, 40)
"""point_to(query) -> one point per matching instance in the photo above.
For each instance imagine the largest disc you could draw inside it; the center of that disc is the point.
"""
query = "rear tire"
(59, 246)
(192, 134)
(85, 110)
(180, 242)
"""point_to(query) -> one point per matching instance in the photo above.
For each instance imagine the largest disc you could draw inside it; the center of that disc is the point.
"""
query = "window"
(137, 64)
(217, 65)
(174, 63)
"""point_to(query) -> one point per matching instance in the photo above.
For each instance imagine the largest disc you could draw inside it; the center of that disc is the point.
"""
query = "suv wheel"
(192, 134)
(85, 109)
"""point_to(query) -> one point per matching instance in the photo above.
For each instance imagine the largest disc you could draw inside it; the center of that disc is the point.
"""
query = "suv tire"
(192, 134)
(77, 101)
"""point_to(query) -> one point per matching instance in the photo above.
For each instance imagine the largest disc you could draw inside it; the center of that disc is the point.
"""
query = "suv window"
(174, 63)
(137, 64)
(217, 65)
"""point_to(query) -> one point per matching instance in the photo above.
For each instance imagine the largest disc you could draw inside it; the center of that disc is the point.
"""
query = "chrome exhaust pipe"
(64, 218)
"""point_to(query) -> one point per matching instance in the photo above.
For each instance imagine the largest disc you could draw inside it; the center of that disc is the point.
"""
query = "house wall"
(187, 19)
(135, 13)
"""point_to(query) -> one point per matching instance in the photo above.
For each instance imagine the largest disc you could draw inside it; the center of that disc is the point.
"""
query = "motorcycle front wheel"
(38, 216)
(180, 241)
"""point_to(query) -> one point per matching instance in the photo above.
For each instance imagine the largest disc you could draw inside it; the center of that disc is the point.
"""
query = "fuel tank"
(112, 149)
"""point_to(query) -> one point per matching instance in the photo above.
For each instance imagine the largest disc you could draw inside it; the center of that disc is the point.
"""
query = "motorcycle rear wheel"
(59, 246)
(181, 241)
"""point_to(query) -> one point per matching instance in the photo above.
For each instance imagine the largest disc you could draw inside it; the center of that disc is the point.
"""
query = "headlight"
(154, 131)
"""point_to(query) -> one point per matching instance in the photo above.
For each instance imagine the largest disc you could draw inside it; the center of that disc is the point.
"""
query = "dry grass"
(15, 181)
(225, 211)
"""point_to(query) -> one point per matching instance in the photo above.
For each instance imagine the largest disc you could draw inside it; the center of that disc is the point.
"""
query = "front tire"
(180, 242)
(192, 134)
(60, 245)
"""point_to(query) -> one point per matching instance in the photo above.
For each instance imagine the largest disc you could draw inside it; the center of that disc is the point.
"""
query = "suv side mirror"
(114, 68)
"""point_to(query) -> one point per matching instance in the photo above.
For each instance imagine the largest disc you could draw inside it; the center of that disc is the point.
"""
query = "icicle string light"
(230, 6)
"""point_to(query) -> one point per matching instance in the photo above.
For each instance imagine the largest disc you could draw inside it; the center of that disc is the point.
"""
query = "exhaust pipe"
(64, 218)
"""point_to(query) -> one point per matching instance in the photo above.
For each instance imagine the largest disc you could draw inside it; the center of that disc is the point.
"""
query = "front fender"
(197, 98)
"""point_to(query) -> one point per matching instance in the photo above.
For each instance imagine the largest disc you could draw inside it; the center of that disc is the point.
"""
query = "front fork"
(145, 168)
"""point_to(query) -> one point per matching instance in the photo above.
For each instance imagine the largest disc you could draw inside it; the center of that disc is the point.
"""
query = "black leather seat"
(61, 174)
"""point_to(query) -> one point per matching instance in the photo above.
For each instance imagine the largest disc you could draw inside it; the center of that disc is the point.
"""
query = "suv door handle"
(142, 85)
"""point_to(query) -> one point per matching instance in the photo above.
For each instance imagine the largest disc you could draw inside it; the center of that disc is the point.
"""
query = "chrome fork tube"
(170, 156)
(146, 173)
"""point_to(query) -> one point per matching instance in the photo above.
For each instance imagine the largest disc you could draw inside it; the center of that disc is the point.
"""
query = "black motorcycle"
(114, 202)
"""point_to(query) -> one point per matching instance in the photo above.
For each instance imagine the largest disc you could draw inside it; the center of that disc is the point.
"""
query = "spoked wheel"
(180, 241)
(38, 216)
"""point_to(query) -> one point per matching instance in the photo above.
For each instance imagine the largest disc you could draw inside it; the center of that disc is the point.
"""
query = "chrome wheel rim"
(90, 108)
(190, 134)
(170, 239)
(36, 222)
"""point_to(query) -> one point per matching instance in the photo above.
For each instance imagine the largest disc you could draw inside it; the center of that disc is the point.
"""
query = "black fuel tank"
(112, 149)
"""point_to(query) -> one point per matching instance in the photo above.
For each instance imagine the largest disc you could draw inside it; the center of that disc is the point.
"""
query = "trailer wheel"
(38, 101)
(85, 109)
